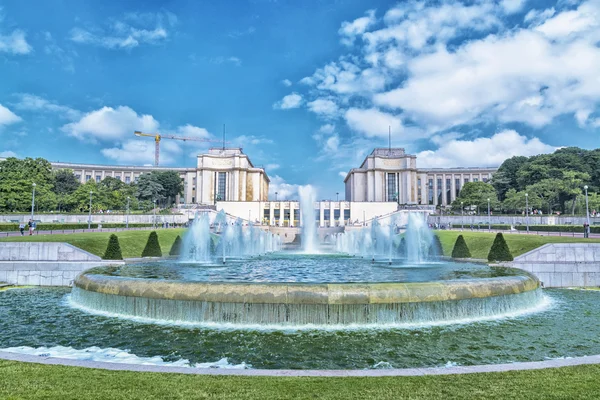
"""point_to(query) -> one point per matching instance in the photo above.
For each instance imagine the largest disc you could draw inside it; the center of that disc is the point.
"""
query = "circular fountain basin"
(210, 300)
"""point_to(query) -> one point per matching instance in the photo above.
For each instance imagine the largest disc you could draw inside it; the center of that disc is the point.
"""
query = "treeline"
(551, 182)
(60, 190)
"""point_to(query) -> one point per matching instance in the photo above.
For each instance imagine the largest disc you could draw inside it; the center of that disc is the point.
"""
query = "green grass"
(479, 243)
(132, 242)
(36, 381)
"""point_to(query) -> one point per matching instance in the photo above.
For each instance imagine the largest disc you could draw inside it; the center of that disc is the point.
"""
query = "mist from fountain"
(227, 240)
(380, 241)
(310, 241)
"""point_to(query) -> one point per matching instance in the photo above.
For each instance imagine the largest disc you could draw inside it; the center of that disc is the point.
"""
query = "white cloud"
(110, 123)
(536, 17)
(7, 117)
(141, 152)
(372, 122)
(285, 191)
(193, 131)
(512, 6)
(31, 102)
(350, 30)
(290, 101)
(286, 82)
(323, 107)
(224, 60)
(8, 153)
(133, 30)
(238, 34)
(346, 77)
(343, 174)
(272, 167)
(581, 20)
(482, 152)
(15, 43)
(245, 140)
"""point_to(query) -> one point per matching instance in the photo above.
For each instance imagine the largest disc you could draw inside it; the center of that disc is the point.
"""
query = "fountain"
(234, 275)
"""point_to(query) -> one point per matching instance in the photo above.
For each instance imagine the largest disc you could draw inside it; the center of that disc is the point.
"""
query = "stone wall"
(509, 220)
(44, 264)
(99, 218)
(563, 264)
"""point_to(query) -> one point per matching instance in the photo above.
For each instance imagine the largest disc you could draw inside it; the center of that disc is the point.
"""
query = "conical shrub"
(176, 247)
(436, 250)
(499, 250)
(402, 248)
(113, 250)
(461, 250)
(152, 248)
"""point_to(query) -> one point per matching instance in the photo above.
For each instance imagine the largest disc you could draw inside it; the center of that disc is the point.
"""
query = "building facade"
(220, 175)
(391, 175)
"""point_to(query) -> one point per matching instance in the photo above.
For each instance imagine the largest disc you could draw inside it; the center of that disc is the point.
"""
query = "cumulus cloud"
(15, 43)
(193, 131)
(323, 107)
(349, 30)
(131, 31)
(141, 152)
(482, 152)
(284, 190)
(372, 122)
(286, 82)
(31, 102)
(512, 6)
(109, 123)
(290, 101)
(272, 167)
(7, 154)
(7, 117)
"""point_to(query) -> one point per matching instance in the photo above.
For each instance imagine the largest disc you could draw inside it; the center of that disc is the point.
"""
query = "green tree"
(476, 194)
(113, 250)
(546, 192)
(171, 183)
(436, 249)
(16, 183)
(460, 250)
(506, 176)
(499, 250)
(149, 188)
(572, 187)
(65, 183)
(152, 248)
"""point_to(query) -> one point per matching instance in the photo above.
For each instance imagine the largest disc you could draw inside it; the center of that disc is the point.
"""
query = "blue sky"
(306, 88)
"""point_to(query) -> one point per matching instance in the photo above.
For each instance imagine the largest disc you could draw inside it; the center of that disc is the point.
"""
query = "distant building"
(392, 175)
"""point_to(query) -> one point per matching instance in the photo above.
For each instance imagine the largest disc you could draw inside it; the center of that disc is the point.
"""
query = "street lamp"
(527, 211)
(154, 215)
(337, 196)
(32, 201)
(462, 213)
(489, 217)
(275, 196)
(587, 211)
(127, 215)
(90, 212)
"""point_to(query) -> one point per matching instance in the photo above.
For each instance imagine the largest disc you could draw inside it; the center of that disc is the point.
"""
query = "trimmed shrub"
(499, 250)
(499, 227)
(113, 250)
(402, 248)
(152, 248)
(176, 247)
(461, 250)
(557, 228)
(436, 250)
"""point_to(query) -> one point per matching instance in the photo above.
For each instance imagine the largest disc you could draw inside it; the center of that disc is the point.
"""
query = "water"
(377, 241)
(222, 240)
(569, 328)
(310, 240)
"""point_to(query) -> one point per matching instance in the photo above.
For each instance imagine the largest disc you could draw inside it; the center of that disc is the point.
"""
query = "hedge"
(499, 227)
(58, 227)
(558, 228)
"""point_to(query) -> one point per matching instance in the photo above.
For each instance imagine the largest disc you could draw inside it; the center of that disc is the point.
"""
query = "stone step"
(4, 284)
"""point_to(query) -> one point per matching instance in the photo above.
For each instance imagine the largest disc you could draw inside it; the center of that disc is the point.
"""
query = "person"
(22, 228)
(30, 226)
(585, 230)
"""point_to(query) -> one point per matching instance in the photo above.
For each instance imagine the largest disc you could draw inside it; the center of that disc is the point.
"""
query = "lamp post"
(337, 196)
(275, 196)
(489, 217)
(527, 211)
(127, 215)
(587, 211)
(90, 212)
(462, 218)
(32, 201)
(154, 215)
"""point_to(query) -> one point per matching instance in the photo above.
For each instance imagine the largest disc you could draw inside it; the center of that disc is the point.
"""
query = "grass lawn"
(36, 381)
(132, 242)
(479, 243)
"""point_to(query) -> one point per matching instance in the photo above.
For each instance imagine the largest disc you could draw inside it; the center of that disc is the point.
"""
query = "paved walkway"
(521, 366)
(69, 231)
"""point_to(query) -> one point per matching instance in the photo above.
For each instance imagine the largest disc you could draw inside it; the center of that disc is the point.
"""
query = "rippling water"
(571, 327)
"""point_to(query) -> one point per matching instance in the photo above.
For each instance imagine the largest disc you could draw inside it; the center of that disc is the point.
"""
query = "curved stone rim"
(301, 293)
(518, 366)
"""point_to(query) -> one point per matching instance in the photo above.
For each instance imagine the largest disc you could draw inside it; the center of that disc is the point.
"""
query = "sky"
(306, 88)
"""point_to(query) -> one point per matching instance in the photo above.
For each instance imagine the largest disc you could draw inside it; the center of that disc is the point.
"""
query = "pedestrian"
(30, 226)
(22, 228)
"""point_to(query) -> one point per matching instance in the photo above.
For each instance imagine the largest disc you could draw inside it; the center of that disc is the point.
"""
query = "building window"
(118, 177)
(127, 179)
(439, 191)
(78, 176)
(98, 178)
(336, 213)
(430, 191)
(448, 191)
(485, 180)
(457, 187)
(418, 190)
(222, 181)
(475, 179)
(88, 177)
(346, 215)
(391, 187)
(136, 178)
(466, 180)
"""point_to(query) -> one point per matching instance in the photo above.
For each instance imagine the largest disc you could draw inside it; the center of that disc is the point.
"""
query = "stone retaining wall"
(44, 264)
(563, 264)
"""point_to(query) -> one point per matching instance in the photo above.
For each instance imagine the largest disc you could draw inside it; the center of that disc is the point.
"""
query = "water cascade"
(310, 241)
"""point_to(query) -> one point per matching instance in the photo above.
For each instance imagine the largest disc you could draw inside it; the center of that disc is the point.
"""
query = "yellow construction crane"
(157, 138)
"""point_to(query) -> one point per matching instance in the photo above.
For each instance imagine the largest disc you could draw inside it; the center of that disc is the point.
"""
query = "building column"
(444, 202)
(331, 213)
(281, 213)
(271, 213)
(453, 188)
(292, 213)
(321, 214)
(341, 219)
(435, 196)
